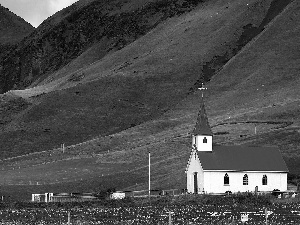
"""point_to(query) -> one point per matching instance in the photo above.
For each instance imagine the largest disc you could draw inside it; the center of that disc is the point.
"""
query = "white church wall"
(198, 140)
(195, 166)
(214, 182)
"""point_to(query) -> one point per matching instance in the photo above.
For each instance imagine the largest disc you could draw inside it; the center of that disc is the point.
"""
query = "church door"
(195, 183)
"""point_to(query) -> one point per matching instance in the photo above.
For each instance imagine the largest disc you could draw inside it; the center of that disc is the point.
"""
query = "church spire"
(202, 125)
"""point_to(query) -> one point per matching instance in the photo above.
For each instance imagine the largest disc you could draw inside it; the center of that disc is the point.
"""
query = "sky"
(35, 11)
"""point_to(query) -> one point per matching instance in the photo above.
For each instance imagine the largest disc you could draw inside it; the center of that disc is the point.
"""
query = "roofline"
(247, 171)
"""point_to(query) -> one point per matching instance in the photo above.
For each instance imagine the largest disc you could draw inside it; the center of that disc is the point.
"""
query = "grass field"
(142, 99)
(186, 209)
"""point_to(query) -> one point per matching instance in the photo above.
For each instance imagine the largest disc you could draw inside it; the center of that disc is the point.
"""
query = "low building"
(117, 195)
(64, 197)
(47, 197)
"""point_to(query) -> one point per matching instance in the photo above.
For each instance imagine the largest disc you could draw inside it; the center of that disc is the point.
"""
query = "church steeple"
(202, 134)
(202, 125)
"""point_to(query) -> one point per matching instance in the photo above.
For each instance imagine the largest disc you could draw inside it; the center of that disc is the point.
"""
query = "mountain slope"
(12, 30)
(133, 85)
(12, 27)
(110, 97)
(261, 83)
(66, 35)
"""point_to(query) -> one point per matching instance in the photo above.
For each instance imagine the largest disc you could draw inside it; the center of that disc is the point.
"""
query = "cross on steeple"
(202, 89)
(202, 126)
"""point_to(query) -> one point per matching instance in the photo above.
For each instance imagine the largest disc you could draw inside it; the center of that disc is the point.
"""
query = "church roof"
(202, 126)
(243, 158)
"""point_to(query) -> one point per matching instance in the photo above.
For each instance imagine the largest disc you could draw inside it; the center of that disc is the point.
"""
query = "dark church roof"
(202, 126)
(242, 158)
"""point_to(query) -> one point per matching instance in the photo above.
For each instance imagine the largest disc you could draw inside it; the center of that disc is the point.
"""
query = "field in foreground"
(184, 210)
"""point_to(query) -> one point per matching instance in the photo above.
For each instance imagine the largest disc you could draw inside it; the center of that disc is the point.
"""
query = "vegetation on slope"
(135, 84)
(108, 22)
(12, 30)
(165, 69)
(250, 31)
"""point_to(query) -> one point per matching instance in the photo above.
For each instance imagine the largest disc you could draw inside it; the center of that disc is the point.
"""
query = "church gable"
(194, 173)
(193, 159)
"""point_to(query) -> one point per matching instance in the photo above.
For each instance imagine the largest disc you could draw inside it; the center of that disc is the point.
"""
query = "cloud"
(36, 11)
(57, 5)
(35, 19)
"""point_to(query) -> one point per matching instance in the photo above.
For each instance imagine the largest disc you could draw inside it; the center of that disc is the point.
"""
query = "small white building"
(42, 197)
(117, 195)
(238, 168)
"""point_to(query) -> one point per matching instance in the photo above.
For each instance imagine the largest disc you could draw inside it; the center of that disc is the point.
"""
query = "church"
(237, 168)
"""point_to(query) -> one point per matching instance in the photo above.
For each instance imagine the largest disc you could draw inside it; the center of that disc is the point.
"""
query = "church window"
(226, 179)
(204, 140)
(264, 180)
(245, 179)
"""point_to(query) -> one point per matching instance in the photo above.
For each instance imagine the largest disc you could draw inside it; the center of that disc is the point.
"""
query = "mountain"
(111, 107)
(12, 27)
(12, 30)
(105, 26)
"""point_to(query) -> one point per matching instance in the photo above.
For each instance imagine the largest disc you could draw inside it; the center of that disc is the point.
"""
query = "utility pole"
(266, 214)
(149, 175)
(69, 218)
(170, 218)
(63, 148)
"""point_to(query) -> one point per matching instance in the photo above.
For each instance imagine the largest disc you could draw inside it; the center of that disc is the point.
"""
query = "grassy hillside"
(141, 99)
(106, 25)
(135, 84)
(261, 84)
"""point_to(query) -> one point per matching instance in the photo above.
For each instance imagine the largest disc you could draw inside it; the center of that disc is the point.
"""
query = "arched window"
(226, 179)
(245, 179)
(264, 180)
(204, 140)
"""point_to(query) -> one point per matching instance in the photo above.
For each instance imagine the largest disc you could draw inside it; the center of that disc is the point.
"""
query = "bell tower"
(202, 134)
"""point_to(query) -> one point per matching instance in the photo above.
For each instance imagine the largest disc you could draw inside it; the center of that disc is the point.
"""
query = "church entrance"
(195, 183)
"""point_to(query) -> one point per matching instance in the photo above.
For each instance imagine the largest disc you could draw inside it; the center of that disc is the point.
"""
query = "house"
(41, 197)
(64, 197)
(238, 168)
(118, 195)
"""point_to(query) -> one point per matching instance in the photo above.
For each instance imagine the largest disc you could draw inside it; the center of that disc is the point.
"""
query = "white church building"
(238, 168)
